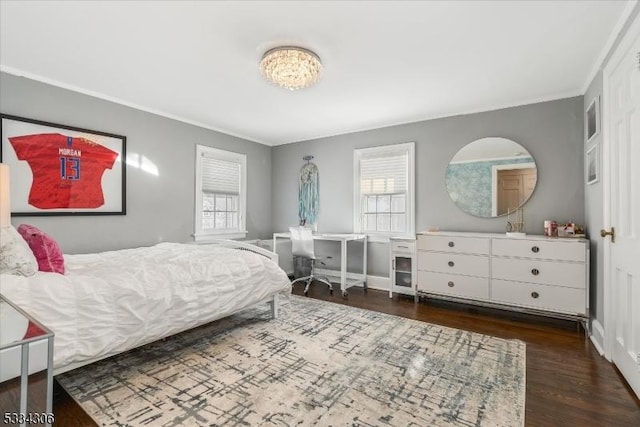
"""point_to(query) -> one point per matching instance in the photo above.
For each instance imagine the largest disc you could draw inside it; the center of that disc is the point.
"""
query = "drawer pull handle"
(451, 244)
(534, 294)
(535, 249)
(451, 263)
(535, 271)
(451, 284)
(403, 247)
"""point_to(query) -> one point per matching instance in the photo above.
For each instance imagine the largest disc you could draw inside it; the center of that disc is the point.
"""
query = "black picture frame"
(90, 167)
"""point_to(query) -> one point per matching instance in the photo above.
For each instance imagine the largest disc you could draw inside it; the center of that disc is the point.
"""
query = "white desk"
(345, 282)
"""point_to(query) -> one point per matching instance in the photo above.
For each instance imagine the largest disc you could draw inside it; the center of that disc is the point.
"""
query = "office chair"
(302, 246)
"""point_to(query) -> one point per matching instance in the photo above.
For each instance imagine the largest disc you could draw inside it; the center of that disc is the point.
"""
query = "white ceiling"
(385, 63)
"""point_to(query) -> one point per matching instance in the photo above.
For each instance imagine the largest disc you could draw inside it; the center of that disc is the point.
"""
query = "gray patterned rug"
(320, 363)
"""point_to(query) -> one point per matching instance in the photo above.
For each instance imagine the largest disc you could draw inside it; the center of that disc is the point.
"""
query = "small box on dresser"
(534, 273)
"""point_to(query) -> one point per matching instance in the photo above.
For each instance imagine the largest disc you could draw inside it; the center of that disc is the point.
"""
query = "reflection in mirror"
(490, 176)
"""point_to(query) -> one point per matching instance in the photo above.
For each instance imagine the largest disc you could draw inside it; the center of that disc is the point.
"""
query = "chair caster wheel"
(345, 294)
(306, 293)
(330, 291)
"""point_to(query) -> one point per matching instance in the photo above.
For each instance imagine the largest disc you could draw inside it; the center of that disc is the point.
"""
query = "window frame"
(237, 233)
(358, 209)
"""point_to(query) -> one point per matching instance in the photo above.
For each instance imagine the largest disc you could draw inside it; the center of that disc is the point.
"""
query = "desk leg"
(343, 268)
(49, 404)
(364, 264)
(24, 380)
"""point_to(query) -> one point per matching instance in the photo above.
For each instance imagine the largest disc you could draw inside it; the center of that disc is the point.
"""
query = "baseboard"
(378, 282)
(597, 336)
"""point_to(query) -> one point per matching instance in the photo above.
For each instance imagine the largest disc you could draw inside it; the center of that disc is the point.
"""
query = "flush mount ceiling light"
(291, 67)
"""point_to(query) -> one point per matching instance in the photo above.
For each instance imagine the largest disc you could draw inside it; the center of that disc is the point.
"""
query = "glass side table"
(20, 333)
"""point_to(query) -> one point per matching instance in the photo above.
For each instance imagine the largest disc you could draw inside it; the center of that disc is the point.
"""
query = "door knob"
(612, 233)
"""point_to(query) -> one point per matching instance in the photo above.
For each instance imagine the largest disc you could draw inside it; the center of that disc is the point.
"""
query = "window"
(384, 190)
(221, 178)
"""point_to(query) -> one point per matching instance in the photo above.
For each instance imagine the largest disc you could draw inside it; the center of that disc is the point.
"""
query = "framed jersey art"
(63, 170)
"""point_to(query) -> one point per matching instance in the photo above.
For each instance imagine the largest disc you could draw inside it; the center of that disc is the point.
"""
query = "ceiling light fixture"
(291, 67)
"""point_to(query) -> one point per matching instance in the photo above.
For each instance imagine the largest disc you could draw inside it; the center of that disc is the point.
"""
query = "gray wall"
(159, 208)
(551, 131)
(594, 211)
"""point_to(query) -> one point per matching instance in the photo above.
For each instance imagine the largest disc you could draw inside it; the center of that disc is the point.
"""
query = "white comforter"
(110, 302)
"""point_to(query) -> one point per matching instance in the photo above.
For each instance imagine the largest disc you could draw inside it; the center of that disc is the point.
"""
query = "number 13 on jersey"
(70, 168)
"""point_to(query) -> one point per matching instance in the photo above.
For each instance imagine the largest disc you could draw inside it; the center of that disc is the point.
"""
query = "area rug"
(319, 363)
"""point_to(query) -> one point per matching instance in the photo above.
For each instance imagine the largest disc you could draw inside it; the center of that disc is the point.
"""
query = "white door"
(622, 206)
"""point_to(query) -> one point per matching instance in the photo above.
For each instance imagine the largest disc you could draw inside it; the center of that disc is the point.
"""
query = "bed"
(107, 303)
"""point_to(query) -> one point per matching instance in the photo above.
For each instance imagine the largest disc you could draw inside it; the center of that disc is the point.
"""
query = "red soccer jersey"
(67, 172)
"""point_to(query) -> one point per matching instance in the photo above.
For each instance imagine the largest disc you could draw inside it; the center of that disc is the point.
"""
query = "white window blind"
(384, 173)
(220, 176)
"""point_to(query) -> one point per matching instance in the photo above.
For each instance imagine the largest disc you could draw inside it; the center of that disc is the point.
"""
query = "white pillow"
(15, 255)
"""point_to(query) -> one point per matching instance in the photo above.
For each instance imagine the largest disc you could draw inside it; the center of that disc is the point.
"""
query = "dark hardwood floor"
(568, 383)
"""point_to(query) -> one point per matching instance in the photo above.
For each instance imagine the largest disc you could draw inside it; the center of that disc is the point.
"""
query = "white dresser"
(531, 273)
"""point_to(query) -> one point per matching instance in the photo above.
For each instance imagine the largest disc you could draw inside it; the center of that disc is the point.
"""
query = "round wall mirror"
(491, 176)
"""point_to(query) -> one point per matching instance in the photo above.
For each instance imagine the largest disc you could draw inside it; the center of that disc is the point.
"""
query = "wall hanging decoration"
(63, 170)
(592, 119)
(592, 165)
(308, 195)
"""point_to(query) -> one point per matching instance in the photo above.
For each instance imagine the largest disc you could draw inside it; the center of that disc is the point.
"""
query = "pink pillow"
(44, 248)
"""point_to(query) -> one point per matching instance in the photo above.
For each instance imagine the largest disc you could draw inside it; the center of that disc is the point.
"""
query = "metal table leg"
(24, 379)
(49, 404)
(343, 267)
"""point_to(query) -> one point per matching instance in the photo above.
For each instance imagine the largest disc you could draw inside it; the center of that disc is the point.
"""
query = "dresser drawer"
(542, 297)
(403, 246)
(469, 265)
(567, 274)
(453, 284)
(565, 250)
(468, 245)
